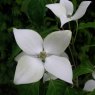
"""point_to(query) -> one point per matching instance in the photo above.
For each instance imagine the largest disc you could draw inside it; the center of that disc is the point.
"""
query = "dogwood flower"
(64, 10)
(41, 56)
(90, 84)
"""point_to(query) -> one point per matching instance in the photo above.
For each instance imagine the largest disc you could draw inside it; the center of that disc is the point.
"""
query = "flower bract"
(64, 10)
(42, 58)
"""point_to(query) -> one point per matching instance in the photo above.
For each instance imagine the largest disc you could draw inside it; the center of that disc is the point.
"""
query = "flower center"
(42, 56)
(69, 16)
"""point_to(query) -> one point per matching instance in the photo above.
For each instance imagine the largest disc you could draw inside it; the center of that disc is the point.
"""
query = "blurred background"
(33, 14)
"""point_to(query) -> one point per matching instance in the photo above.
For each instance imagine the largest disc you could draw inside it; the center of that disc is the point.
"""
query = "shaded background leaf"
(56, 87)
(35, 10)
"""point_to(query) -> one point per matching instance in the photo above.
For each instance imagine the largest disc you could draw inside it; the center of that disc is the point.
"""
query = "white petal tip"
(87, 2)
(15, 81)
(69, 81)
(47, 5)
(81, 10)
(14, 29)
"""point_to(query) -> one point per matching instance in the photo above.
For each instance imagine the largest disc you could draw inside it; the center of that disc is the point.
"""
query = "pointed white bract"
(60, 67)
(28, 70)
(81, 10)
(90, 84)
(25, 39)
(64, 10)
(30, 67)
(57, 42)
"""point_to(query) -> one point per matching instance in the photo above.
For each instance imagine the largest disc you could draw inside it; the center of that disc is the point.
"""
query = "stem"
(72, 55)
(70, 47)
(90, 45)
(73, 48)
(76, 31)
(69, 26)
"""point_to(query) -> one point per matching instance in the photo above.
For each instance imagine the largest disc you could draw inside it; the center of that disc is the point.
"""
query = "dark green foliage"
(56, 87)
(33, 14)
(35, 10)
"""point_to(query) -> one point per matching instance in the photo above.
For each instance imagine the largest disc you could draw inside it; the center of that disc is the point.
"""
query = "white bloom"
(90, 84)
(64, 10)
(41, 56)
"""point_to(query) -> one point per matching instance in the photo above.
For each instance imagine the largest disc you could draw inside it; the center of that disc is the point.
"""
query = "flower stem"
(74, 50)
(76, 31)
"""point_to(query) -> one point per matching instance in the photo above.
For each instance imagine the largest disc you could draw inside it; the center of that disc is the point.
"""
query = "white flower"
(90, 84)
(41, 56)
(64, 10)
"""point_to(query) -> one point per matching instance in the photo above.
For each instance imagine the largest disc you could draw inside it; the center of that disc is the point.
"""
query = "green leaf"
(25, 4)
(35, 10)
(15, 51)
(92, 93)
(47, 31)
(75, 4)
(69, 91)
(28, 89)
(73, 91)
(19, 1)
(86, 25)
(83, 68)
(56, 87)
